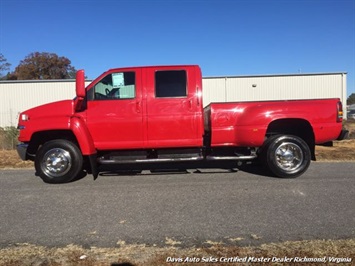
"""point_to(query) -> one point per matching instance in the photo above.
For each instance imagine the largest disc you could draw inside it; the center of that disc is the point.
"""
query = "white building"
(17, 96)
(275, 87)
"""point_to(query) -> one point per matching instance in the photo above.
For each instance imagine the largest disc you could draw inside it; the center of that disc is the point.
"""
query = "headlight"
(24, 117)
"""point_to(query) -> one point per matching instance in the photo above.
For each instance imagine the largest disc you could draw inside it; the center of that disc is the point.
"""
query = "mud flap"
(93, 164)
(344, 134)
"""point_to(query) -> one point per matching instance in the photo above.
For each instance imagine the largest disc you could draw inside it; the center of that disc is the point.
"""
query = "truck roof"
(158, 66)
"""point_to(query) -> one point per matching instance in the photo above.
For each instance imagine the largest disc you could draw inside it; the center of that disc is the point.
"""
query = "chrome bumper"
(22, 151)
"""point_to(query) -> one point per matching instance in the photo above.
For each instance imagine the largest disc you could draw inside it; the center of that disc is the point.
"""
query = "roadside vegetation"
(333, 252)
(8, 138)
(341, 251)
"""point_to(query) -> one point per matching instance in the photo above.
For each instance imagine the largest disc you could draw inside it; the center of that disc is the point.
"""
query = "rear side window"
(170, 83)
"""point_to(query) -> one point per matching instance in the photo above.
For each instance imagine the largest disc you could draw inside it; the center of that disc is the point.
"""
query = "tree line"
(38, 65)
(51, 66)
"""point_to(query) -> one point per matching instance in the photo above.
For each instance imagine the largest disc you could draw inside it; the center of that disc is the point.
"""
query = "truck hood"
(55, 109)
(51, 116)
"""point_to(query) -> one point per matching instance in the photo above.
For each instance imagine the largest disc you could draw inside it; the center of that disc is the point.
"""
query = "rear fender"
(294, 126)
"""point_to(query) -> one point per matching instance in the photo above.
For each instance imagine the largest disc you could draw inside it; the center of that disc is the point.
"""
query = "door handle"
(138, 106)
(190, 104)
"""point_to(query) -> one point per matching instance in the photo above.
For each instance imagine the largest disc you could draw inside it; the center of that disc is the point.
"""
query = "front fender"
(83, 136)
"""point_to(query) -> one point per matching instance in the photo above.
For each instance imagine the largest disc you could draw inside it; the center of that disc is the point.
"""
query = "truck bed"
(247, 123)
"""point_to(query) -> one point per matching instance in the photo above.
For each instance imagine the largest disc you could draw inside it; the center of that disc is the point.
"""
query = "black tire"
(59, 161)
(286, 156)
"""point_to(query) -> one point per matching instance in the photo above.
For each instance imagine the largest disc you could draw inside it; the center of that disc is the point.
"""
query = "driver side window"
(114, 86)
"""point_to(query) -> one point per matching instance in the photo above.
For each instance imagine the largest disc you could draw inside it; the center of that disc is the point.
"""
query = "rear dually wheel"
(286, 156)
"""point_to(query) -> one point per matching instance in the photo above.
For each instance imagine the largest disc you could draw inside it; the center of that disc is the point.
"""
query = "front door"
(114, 111)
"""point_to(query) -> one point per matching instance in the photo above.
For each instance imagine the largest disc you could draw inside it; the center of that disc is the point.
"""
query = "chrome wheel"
(59, 161)
(286, 156)
(56, 162)
(289, 156)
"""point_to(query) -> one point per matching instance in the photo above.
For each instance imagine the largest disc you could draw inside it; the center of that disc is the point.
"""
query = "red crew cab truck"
(149, 118)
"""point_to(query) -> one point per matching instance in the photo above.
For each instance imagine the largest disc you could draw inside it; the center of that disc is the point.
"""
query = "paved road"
(193, 209)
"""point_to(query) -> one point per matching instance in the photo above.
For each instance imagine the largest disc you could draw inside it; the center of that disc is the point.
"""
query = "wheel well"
(297, 127)
(40, 138)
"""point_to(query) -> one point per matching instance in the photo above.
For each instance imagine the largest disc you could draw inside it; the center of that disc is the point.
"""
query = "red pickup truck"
(150, 118)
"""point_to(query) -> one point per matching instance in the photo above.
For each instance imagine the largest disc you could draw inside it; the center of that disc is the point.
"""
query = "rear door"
(173, 108)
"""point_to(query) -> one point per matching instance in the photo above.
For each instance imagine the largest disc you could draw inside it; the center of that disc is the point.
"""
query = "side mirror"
(80, 84)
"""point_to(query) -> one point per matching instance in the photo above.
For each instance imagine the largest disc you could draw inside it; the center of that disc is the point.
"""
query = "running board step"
(227, 158)
(172, 160)
(155, 160)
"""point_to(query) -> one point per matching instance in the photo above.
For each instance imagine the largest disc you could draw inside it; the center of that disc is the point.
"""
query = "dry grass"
(341, 151)
(26, 254)
(10, 159)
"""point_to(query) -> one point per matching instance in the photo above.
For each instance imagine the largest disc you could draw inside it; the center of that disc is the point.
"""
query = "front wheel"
(287, 156)
(58, 161)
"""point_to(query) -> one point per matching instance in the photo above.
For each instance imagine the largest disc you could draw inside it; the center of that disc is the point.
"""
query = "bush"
(8, 138)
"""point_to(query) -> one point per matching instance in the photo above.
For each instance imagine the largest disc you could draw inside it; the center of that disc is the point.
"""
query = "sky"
(224, 37)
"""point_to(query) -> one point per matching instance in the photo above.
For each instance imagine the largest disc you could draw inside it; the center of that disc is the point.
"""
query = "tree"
(4, 65)
(45, 66)
(351, 99)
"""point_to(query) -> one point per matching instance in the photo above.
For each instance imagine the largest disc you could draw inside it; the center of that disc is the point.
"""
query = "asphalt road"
(182, 209)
